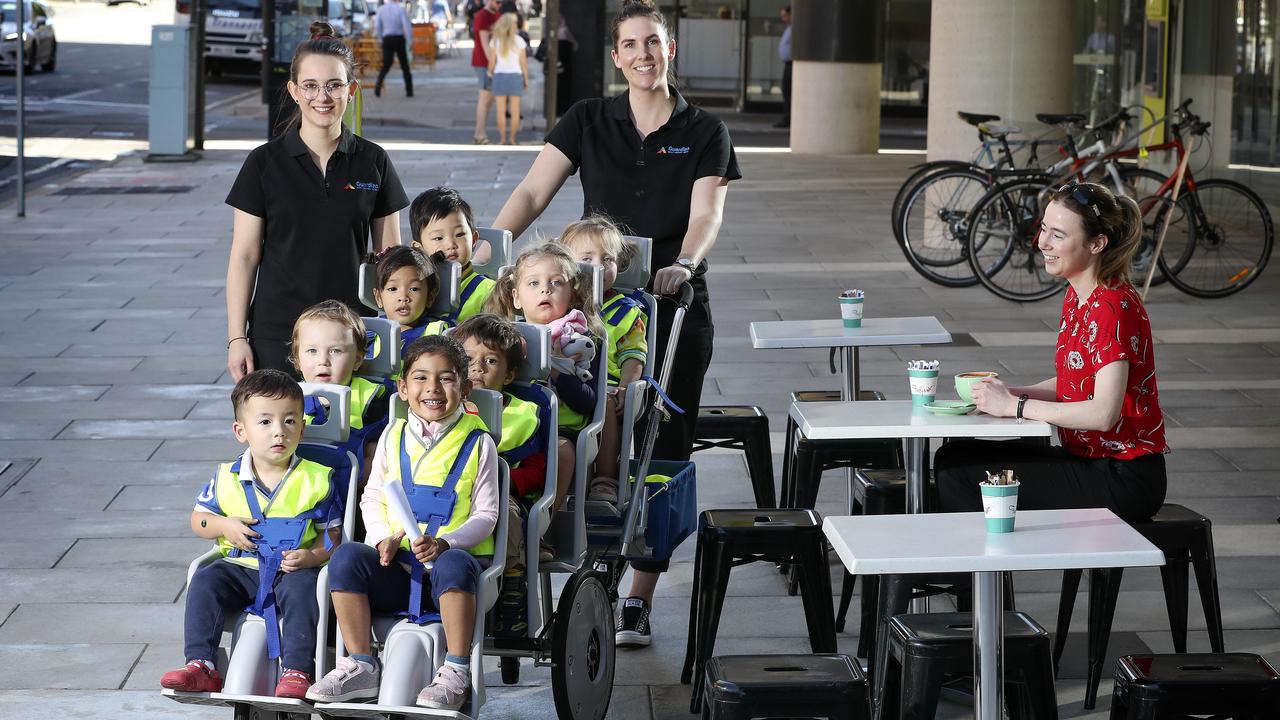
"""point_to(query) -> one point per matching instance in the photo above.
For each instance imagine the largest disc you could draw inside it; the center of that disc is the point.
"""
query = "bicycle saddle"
(976, 118)
(997, 130)
(1060, 119)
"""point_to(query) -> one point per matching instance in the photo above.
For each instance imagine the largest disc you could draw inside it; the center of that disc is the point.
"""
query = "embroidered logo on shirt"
(362, 186)
(673, 150)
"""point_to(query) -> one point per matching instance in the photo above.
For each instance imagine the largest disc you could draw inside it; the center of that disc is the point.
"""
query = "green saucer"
(950, 407)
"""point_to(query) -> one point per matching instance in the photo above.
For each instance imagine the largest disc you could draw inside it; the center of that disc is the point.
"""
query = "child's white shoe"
(449, 689)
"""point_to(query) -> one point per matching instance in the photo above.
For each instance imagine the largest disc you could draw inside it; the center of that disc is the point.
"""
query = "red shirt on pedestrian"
(482, 20)
(1111, 325)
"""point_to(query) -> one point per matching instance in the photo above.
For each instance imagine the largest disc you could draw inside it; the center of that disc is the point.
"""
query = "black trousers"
(1052, 478)
(393, 47)
(271, 354)
(786, 90)
(684, 386)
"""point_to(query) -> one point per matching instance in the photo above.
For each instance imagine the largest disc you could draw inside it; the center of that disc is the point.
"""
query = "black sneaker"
(633, 625)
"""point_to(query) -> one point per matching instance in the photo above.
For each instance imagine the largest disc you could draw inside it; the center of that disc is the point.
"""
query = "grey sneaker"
(350, 680)
(448, 691)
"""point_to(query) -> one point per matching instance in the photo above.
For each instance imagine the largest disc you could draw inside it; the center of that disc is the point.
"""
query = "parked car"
(40, 44)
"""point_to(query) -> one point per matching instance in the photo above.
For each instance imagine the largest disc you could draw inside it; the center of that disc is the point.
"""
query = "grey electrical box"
(170, 127)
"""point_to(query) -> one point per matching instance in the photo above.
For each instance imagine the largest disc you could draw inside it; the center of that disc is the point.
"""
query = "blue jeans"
(355, 568)
(224, 588)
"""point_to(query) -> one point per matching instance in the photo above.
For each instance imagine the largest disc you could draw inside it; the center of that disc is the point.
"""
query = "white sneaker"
(350, 680)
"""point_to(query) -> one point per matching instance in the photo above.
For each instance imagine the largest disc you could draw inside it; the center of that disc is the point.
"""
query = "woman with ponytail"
(1103, 397)
(306, 204)
(661, 168)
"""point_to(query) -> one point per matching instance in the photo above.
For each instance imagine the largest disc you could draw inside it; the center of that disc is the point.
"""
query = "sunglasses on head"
(1080, 194)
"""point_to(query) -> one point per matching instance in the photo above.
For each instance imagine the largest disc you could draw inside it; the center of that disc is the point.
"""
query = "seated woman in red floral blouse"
(1103, 396)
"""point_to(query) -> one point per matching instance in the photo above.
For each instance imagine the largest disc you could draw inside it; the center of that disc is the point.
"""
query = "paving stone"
(80, 666)
(1145, 610)
(65, 411)
(51, 393)
(16, 554)
(1264, 458)
(211, 450)
(37, 496)
(212, 410)
(174, 554)
(124, 584)
(28, 526)
(192, 474)
(30, 350)
(113, 378)
(154, 497)
(87, 704)
(22, 429)
(104, 429)
(80, 449)
(202, 391)
(1191, 485)
(96, 623)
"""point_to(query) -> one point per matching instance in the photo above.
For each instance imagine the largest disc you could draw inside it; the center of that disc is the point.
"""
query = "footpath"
(114, 408)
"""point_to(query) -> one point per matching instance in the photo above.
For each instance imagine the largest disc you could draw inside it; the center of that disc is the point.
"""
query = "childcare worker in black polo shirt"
(305, 205)
(661, 169)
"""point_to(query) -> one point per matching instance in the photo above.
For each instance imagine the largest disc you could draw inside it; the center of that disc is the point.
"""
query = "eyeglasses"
(1080, 194)
(333, 89)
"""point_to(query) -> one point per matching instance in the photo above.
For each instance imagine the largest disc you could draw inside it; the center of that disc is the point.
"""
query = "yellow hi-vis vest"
(620, 313)
(472, 296)
(363, 392)
(431, 469)
(519, 424)
(305, 486)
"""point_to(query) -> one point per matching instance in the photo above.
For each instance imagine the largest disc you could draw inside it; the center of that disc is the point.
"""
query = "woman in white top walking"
(509, 68)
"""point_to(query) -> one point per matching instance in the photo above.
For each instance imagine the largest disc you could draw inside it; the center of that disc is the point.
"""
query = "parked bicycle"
(1219, 237)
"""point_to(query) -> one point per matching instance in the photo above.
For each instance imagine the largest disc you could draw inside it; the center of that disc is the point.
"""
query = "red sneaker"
(293, 684)
(195, 676)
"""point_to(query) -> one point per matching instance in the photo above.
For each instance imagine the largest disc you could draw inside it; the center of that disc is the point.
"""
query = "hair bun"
(642, 3)
(322, 29)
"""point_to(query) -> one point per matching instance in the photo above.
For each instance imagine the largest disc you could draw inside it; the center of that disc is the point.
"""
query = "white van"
(233, 29)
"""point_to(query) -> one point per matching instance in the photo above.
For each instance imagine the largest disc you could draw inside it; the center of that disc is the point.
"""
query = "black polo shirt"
(644, 184)
(316, 227)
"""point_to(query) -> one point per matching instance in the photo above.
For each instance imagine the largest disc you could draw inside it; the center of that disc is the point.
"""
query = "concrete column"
(1010, 58)
(1207, 72)
(835, 88)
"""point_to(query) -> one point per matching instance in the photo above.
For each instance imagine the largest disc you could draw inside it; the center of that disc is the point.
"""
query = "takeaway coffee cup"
(924, 385)
(851, 304)
(999, 505)
(965, 381)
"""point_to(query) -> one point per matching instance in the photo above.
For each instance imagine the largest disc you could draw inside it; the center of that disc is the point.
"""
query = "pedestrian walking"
(394, 31)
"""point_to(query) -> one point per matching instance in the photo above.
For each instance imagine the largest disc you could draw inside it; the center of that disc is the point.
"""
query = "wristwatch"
(689, 265)
(1022, 403)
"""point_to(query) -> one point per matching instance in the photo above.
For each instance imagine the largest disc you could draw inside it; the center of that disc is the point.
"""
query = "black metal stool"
(1184, 535)
(727, 538)
(741, 687)
(745, 428)
(804, 460)
(1225, 685)
(924, 648)
(877, 492)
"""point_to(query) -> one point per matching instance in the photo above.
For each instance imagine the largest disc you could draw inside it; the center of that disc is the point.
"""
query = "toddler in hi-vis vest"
(329, 346)
(597, 241)
(405, 287)
(275, 518)
(447, 465)
(544, 285)
(442, 222)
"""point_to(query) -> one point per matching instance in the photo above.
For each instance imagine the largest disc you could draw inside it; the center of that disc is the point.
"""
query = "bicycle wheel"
(935, 225)
(1142, 184)
(918, 173)
(1219, 239)
(1003, 254)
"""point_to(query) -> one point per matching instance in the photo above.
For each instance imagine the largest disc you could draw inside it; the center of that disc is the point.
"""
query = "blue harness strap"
(434, 506)
(278, 536)
(464, 294)
(621, 308)
(312, 407)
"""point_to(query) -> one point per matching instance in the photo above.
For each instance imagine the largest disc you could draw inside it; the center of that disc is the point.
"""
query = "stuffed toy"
(574, 348)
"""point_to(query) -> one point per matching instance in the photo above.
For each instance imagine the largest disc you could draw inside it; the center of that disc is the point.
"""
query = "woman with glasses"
(1103, 396)
(306, 204)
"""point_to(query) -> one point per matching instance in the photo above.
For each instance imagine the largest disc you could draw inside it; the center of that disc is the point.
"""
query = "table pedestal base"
(988, 645)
